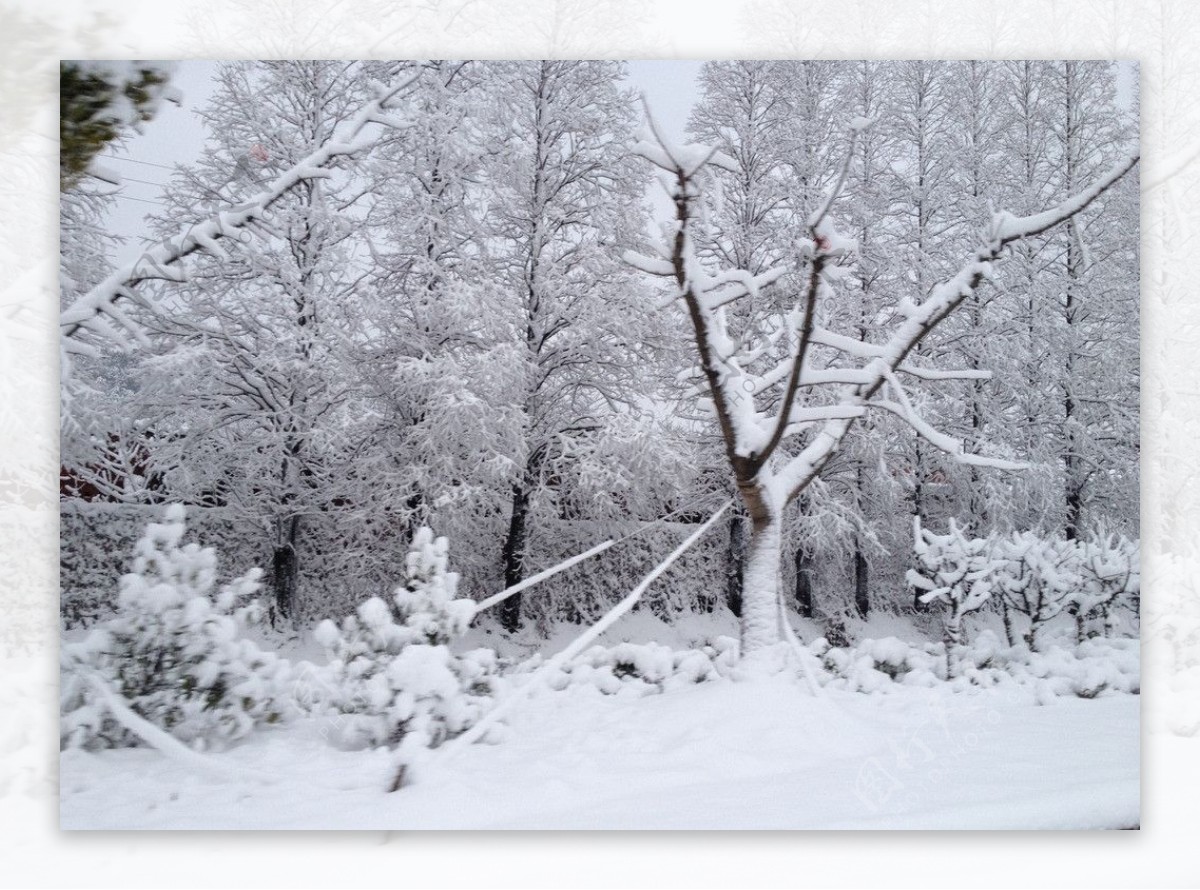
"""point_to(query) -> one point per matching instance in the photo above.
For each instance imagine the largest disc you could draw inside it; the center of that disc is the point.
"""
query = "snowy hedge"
(874, 666)
(97, 543)
(173, 654)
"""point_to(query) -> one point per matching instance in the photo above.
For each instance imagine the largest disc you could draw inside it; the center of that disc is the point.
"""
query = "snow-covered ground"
(763, 754)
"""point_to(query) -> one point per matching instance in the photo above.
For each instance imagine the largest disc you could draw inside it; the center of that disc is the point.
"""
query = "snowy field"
(724, 755)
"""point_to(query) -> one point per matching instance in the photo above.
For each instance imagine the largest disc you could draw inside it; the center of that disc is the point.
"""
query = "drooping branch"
(903, 408)
(96, 311)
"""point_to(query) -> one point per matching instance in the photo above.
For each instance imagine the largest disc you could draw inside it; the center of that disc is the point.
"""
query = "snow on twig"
(1007, 228)
(920, 320)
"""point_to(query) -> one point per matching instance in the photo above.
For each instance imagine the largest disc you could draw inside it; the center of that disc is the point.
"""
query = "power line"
(143, 181)
(143, 200)
(135, 161)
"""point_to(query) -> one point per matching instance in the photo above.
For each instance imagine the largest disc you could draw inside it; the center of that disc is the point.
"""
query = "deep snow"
(725, 754)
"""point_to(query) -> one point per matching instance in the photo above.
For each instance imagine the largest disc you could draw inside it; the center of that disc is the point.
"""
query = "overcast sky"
(176, 136)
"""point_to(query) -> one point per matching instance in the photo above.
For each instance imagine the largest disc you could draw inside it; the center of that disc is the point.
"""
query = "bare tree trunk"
(760, 591)
(952, 639)
(735, 564)
(1031, 635)
(804, 586)
(285, 569)
(862, 592)
(513, 553)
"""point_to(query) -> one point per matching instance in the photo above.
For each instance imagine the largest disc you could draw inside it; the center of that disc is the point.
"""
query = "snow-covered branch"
(97, 312)
(919, 320)
(1007, 228)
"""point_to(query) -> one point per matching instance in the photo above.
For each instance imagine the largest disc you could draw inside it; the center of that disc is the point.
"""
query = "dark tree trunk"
(285, 571)
(417, 514)
(514, 556)
(862, 578)
(804, 586)
(735, 564)
(1075, 271)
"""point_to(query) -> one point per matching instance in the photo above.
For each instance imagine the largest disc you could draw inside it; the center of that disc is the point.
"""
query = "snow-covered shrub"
(645, 667)
(956, 571)
(426, 603)
(395, 681)
(173, 653)
(1096, 667)
(97, 542)
(874, 665)
(641, 668)
(1038, 577)
(1111, 576)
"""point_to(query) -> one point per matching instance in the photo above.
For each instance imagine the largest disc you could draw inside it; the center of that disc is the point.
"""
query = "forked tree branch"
(748, 445)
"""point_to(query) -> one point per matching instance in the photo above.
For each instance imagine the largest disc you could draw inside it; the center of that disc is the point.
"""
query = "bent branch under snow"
(97, 312)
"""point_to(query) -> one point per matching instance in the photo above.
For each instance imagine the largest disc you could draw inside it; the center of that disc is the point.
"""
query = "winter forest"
(463, 447)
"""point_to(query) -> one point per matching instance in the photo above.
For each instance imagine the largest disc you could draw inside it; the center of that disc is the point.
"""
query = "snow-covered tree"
(1039, 578)
(1097, 306)
(100, 312)
(395, 681)
(565, 200)
(253, 397)
(173, 654)
(956, 571)
(1112, 578)
(440, 366)
(774, 121)
(762, 383)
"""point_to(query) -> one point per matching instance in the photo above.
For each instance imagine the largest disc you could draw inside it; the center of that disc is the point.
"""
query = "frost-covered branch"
(920, 320)
(752, 436)
(824, 244)
(903, 408)
(705, 295)
(97, 312)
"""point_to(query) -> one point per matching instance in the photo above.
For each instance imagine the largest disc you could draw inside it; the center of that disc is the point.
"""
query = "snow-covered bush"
(1038, 577)
(426, 603)
(395, 681)
(874, 664)
(97, 543)
(1096, 667)
(956, 571)
(643, 668)
(1111, 575)
(173, 653)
